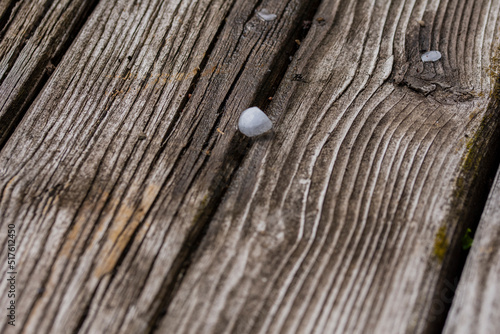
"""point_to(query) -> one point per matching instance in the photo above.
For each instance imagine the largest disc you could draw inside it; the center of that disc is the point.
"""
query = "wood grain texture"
(476, 307)
(345, 219)
(6, 7)
(33, 36)
(116, 168)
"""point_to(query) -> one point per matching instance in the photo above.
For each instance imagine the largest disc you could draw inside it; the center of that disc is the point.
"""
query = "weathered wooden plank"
(476, 308)
(34, 35)
(118, 165)
(6, 8)
(348, 217)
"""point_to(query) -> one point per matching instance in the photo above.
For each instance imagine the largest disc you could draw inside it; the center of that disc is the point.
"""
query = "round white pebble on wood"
(431, 56)
(254, 122)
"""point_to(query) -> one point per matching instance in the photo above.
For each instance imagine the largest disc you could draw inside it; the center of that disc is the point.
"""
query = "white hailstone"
(265, 15)
(254, 122)
(431, 56)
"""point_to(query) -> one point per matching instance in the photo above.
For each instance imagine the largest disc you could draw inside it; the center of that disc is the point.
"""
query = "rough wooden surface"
(476, 306)
(34, 35)
(344, 218)
(124, 155)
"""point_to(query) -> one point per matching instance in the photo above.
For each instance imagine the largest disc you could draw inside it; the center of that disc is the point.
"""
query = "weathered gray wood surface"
(345, 218)
(476, 306)
(342, 220)
(34, 35)
(124, 165)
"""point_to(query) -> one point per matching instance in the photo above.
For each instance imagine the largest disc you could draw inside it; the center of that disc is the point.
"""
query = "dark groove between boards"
(22, 102)
(5, 18)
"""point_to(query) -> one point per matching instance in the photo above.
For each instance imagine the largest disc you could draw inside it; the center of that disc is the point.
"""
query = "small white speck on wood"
(265, 15)
(254, 122)
(431, 56)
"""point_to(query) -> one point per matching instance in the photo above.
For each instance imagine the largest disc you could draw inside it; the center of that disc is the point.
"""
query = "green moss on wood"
(441, 243)
(467, 239)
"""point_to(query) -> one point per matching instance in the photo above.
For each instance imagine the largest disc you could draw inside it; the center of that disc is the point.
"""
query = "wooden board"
(475, 307)
(129, 146)
(345, 219)
(33, 37)
(139, 207)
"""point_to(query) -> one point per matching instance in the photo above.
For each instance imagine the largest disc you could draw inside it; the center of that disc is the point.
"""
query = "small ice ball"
(254, 122)
(265, 15)
(431, 56)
